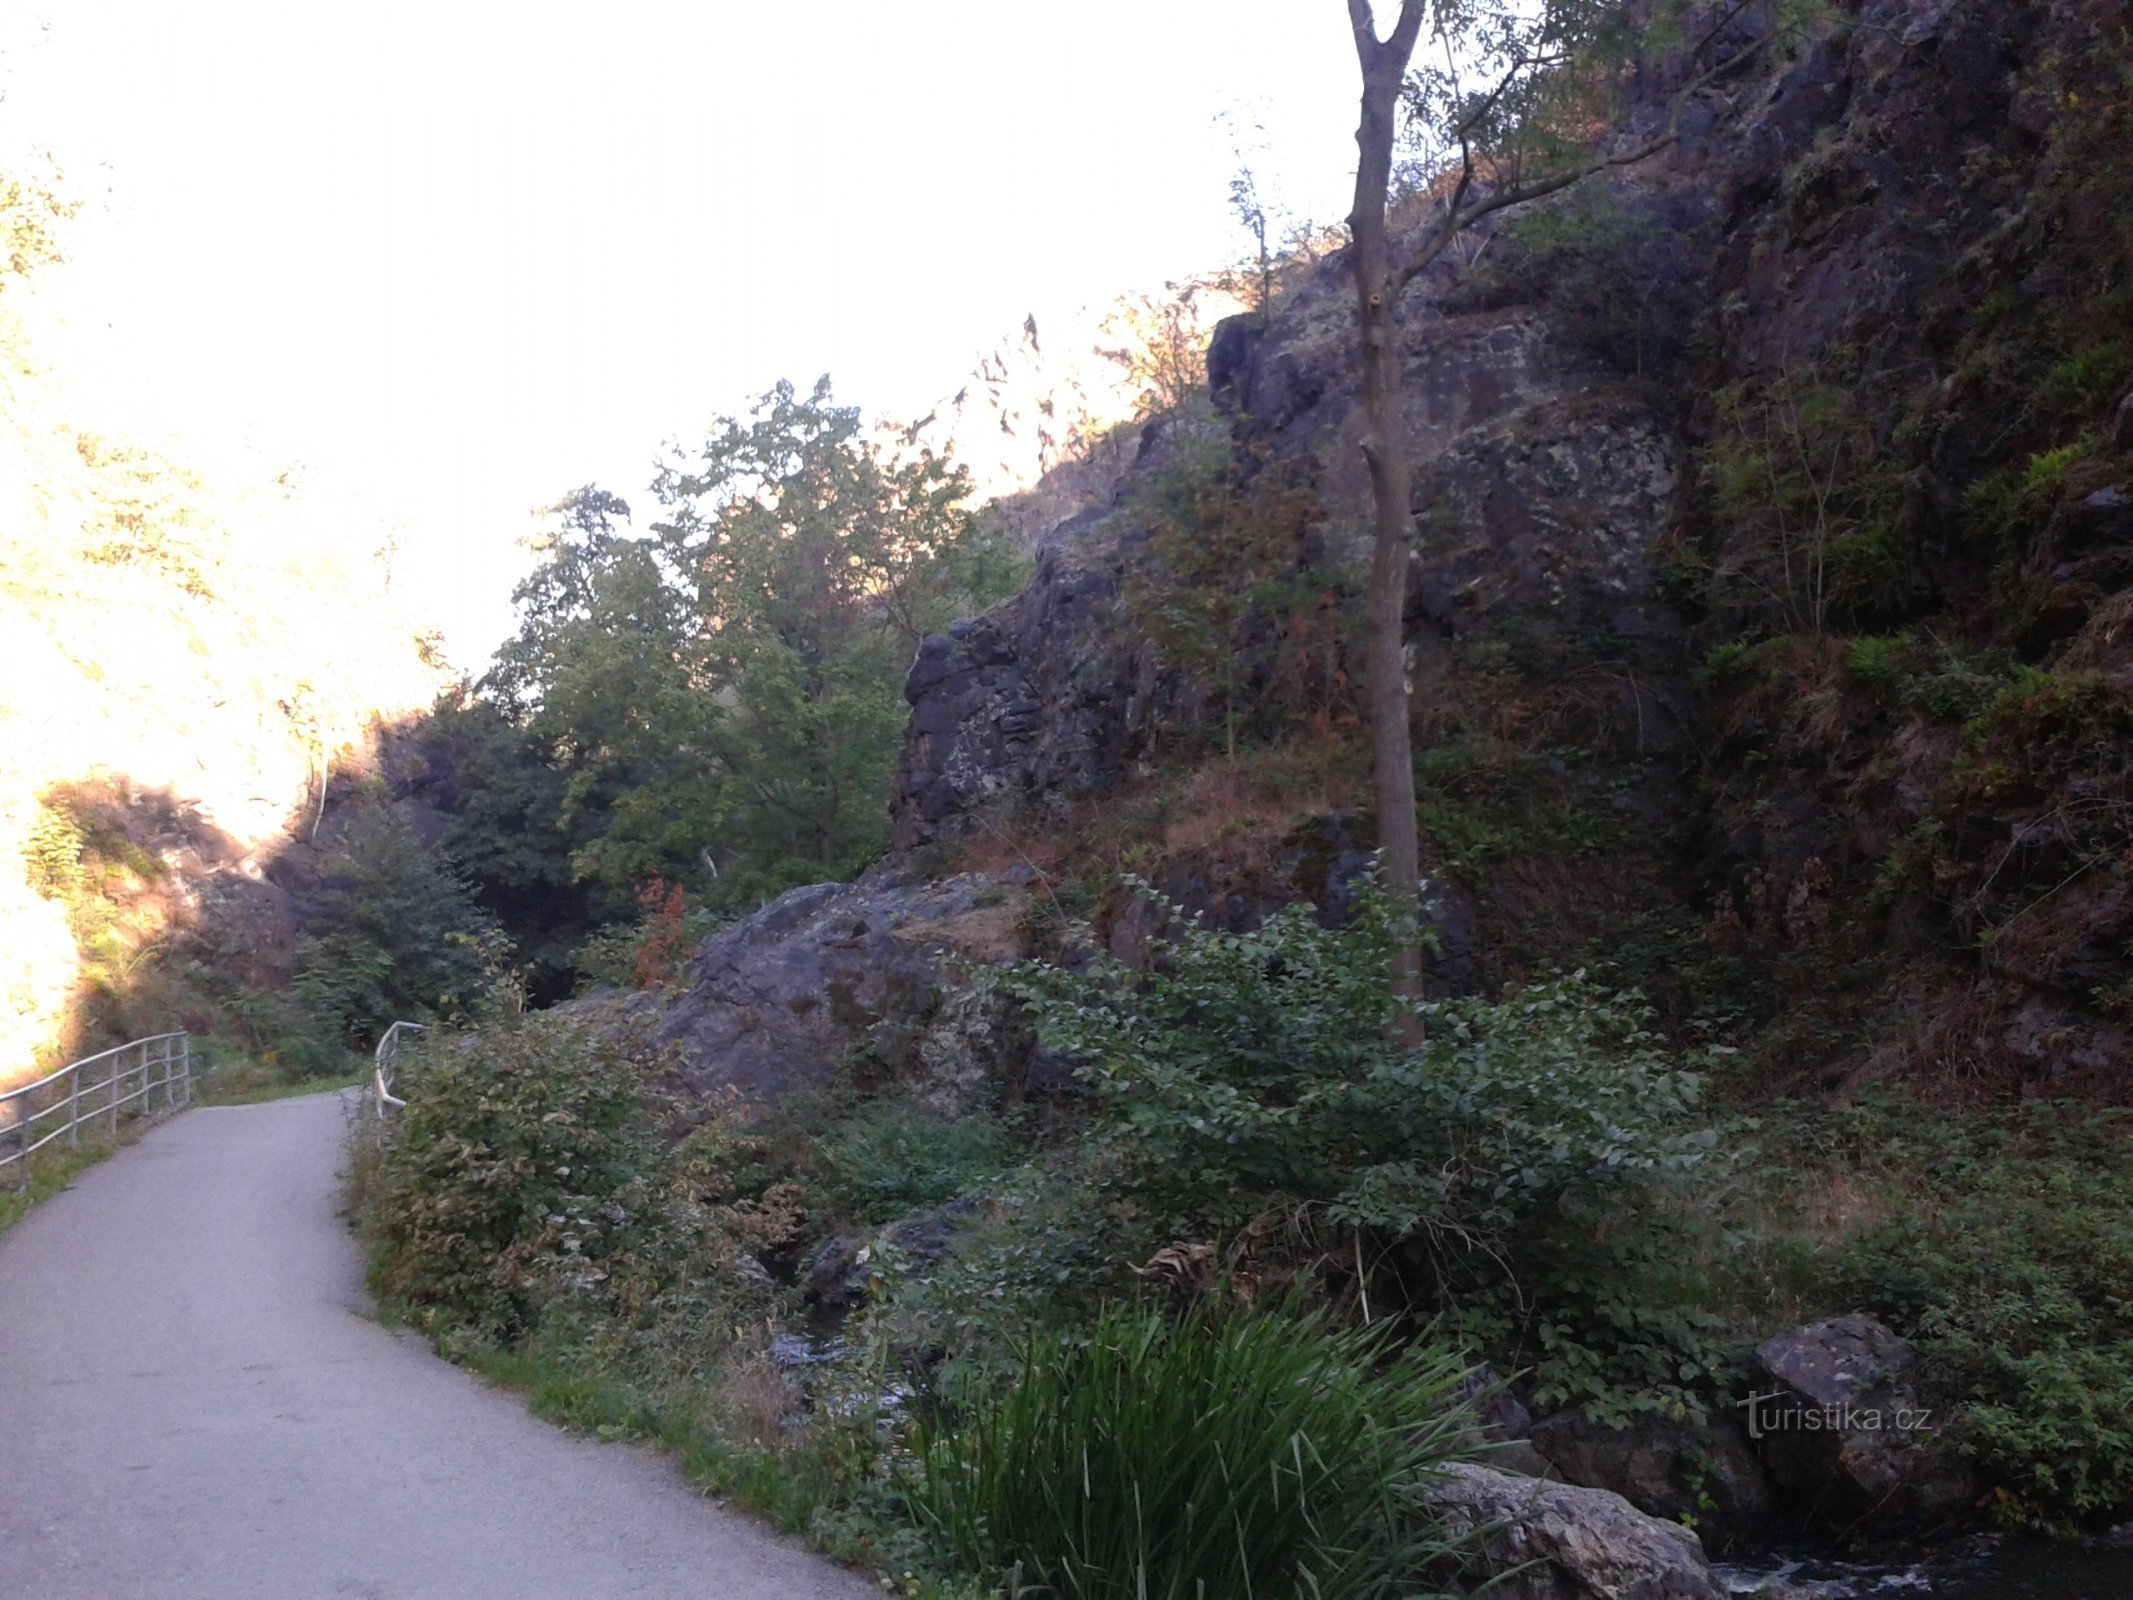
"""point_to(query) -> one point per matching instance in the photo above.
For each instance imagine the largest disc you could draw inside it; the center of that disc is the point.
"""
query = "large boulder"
(1568, 1543)
(780, 999)
(1685, 1471)
(1836, 1420)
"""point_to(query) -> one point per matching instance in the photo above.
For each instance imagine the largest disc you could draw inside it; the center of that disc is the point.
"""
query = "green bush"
(1260, 1454)
(523, 1153)
(1250, 1069)
(1959, 682)
(2010, 1266)
(1874, 659)
(1506, 1168)
(397, 934)
(890, 1159)
(538, 1174)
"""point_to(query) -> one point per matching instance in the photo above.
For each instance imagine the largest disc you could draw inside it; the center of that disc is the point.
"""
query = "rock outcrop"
(783, 997)
(1869, 279)
(1705, 1473)
(1839, 1423)
(1547, 485)
(1572, 1543)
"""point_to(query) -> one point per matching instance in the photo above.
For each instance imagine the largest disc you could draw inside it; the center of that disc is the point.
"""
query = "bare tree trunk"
(1384, 65)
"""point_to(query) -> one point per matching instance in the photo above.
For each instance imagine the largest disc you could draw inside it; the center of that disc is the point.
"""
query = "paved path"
(193, 1406)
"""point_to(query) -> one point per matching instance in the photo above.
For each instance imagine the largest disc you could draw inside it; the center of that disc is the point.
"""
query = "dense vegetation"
(1796, 985)
(709, 707)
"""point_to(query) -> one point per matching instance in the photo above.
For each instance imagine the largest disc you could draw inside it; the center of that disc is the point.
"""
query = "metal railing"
(135, 1076)
(387, 1061)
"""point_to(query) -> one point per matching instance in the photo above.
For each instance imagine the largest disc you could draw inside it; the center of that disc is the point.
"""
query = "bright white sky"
(467, 256)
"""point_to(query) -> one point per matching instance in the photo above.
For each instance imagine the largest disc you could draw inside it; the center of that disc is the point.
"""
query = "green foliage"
(2005, 506)
(1478, 801)
(719, 697)
(617, 955)
(2042, 728)
(1957, 683)
(78, 855)
(52, 853)
(1873, 660)
(505, 825)
(538, 1179)
(888, 1158)
(1507, 1168)
(2010, 1265)
(1256, 1068)
(397, 935)
(521, 1154)
(1257, 1454)
(1721, 662)
(2086, 380)
(1798, 468)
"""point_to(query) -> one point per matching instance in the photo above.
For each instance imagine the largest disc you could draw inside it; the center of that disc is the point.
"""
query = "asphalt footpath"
(196, 1405)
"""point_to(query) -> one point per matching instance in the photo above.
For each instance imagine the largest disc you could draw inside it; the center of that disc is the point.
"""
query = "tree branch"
(1369, 49)
(1457, 222)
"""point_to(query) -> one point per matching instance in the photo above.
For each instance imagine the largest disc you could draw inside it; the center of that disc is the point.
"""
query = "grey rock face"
(1836, 1420)
(1583, 1544)
(975, 1042)
(1543, 488)
(840, 1272)
(1672, 1469)
(1040, 700)
(779, 999)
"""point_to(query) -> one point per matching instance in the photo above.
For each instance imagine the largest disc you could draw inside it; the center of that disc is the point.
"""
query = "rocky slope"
(1770, 616)
(1775, 526)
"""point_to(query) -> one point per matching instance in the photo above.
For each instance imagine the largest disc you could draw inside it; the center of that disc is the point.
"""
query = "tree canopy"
(717, 692)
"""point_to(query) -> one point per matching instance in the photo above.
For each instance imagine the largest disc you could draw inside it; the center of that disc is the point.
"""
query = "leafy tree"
(719, 695)
(504, 807)
(397, 934)
(1501, 122)
(818, 566)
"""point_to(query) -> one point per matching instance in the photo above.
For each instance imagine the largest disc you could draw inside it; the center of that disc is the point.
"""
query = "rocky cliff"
(1774, 513)
(1770, 611)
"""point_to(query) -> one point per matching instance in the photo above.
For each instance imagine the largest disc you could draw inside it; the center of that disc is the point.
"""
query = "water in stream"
(1994, 1569)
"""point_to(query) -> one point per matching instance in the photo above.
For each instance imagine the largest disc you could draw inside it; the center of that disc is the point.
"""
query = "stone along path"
(193, 1403)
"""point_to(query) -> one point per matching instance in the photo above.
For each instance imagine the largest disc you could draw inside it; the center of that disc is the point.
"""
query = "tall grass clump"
(1257, 1454)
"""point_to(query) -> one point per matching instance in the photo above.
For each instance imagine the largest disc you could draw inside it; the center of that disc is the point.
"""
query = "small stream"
(1985, 1569)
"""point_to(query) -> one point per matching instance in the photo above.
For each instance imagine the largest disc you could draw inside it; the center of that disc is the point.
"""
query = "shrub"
(2010, 1265)
(522, 1147)
(1260, 1454)
(1504, 1166)
(397, 935)
(1252, 1068)
(890, 1159)
(536, 1173)
(650, 949)
(1874, 659)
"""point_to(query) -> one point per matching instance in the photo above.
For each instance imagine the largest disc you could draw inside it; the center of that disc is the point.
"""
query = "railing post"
(112, 1084)
(74, 1108)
